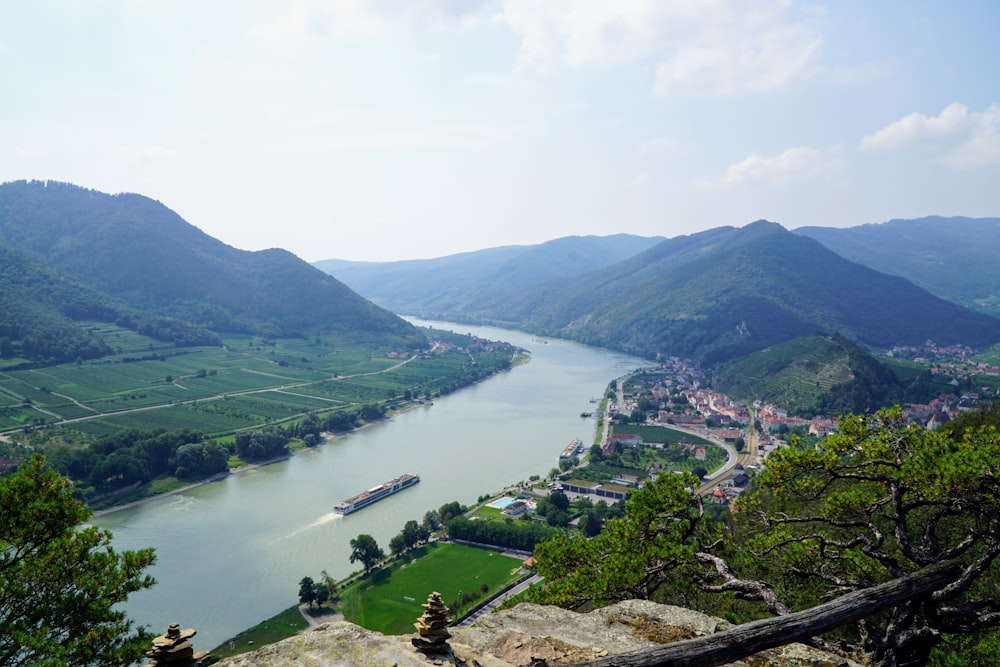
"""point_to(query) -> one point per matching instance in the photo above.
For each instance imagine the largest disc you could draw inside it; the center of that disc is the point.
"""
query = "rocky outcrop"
(514, 637)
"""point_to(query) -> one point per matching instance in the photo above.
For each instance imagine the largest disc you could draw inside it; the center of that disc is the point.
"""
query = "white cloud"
(960, 138)
(722, 47)
(916, 127)
(793, 165)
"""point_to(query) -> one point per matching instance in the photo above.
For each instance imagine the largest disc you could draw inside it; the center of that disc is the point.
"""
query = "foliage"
(522, 535)
(60, 582)
(46, 317)
(365, 549)
(633, 557)
(882, 499)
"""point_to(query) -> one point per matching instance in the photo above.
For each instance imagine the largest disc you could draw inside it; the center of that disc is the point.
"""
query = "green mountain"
(145, 255)
(811, 375)
(47, 317)
(954, 258)
(458, 285)
(729, 292)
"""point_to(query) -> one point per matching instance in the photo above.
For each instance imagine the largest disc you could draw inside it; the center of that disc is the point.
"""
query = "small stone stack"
(432, 626)
(172, 649)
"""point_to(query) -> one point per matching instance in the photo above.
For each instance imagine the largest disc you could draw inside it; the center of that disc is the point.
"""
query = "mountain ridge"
(143, 254)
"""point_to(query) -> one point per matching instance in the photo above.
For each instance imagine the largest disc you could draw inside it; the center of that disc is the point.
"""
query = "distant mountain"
(457, 285)
(142, 253)
(727, 292)
(46, 316)
(955, 258)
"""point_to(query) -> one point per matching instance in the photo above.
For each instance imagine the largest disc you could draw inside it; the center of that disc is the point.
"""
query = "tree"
(365, 549)
(633, 557)
(307, 591)
(559, 500)
(876, 503)
(61, 582)
(328, 583)
(881, 499)
(432, 521)
(450, 510)
(397, 545)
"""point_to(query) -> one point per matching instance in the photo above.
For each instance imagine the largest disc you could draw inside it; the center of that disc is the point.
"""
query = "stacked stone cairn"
(432, 626)
(172, 649)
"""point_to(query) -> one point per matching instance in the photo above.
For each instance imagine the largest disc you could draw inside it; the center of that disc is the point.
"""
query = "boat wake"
(323, 520)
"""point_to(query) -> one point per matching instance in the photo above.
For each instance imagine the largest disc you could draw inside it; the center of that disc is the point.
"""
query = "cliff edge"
(514, 637)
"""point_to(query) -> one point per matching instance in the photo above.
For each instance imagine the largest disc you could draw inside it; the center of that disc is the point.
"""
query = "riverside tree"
(878, 501)
(365, 549)
(61, 583)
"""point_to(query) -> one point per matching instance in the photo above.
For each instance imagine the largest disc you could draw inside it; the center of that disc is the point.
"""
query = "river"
(231, 553)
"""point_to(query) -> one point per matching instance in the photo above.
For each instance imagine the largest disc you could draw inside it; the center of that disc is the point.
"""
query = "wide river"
(231, 553)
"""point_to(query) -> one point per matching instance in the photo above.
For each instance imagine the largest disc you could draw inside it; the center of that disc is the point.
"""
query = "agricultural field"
(389, 600)
(792, 374)
(245, 382)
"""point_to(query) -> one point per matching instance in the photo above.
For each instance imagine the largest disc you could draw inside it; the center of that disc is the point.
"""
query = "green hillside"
(725, 293)
(46, 317)
(954, 258)
(142, 253)
(811, 375)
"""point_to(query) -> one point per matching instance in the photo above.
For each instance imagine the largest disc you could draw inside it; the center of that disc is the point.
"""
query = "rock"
(172, 649)
(517, 636)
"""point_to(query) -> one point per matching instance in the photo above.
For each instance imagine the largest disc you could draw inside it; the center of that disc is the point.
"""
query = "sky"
(402, 129)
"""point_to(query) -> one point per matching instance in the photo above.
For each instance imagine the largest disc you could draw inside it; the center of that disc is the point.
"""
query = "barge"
(375, 494)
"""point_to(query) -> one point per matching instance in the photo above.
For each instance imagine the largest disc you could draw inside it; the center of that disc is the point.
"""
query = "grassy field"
(389, 600)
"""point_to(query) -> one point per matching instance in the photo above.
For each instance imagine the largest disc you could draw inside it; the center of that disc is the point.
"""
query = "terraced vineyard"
(794, 374)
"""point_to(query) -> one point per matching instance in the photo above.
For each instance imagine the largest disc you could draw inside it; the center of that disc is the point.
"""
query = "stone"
(432, 626)
(172, 649)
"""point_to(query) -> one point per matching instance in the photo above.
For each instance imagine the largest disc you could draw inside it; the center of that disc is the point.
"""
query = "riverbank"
(324, 439)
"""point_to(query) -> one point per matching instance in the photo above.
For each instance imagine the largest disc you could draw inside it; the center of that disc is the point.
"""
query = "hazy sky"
(399, 129)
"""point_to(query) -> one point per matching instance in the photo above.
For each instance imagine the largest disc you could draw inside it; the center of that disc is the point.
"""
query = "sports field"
(389, 601)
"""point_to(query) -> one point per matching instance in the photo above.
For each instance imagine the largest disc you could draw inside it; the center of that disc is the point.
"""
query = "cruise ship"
(375, 494)
(572, 449)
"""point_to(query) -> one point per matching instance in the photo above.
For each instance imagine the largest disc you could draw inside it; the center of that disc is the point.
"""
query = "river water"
(231, 553)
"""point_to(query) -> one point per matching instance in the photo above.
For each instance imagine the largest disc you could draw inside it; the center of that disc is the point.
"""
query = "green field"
(389, 600)
(245, 383)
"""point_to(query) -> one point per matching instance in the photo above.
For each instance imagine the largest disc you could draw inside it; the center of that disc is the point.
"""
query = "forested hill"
(954, 258)
(727, 292)
(139, 251)
(456, 285)
(47, 317)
